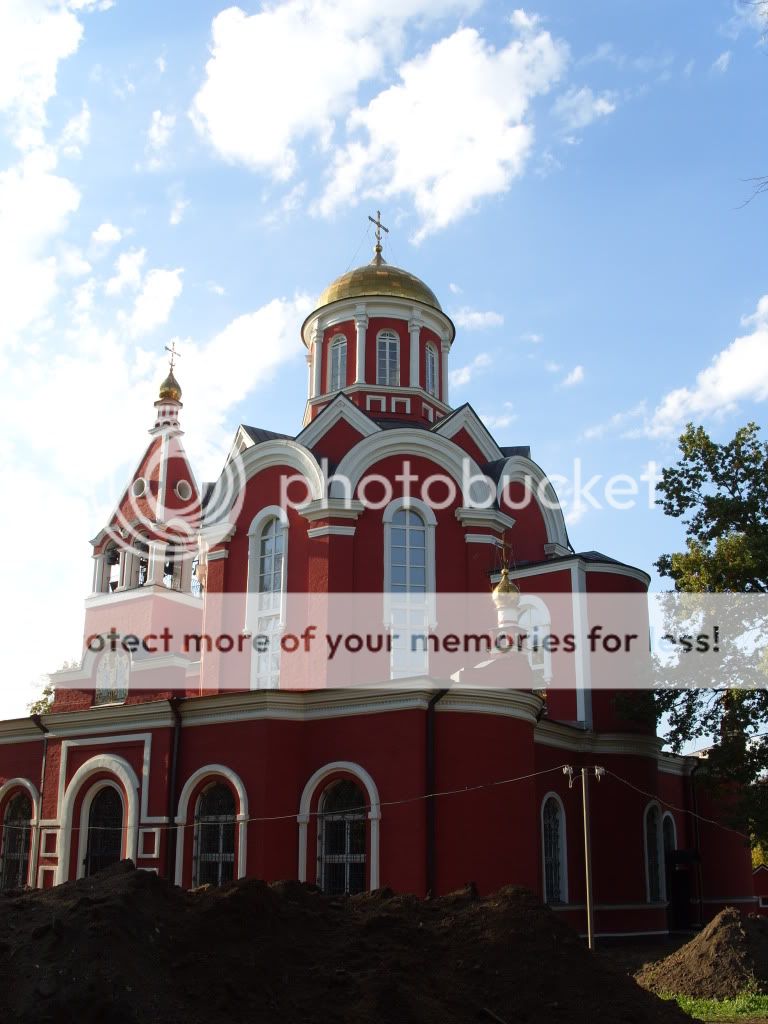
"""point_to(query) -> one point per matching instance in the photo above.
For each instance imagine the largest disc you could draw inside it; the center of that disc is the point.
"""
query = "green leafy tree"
(720, 492)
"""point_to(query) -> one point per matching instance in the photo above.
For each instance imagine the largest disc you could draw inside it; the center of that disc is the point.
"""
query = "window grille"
(554, 869)
(112, 677)
(431, 370)
(388, 359)
(105, 830)
(342, 837)
(17, 835)
(338, 364)
(215, 836)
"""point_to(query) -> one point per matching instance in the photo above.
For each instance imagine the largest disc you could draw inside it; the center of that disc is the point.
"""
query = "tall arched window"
(431, 369)
(215, 836)
(105, 830)
(266, 586)
(554, 850)
(388, 359)
(341, 838)
(17, 835)
(112, 677)
(337, 373)
(653, 854)
(534, 618)
(409, 583)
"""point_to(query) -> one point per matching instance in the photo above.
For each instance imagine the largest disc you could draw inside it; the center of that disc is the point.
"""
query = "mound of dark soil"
(126, 946)
(727, 957)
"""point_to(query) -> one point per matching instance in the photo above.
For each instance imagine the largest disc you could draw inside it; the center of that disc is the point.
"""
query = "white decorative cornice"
(490, 518)
(331, 508)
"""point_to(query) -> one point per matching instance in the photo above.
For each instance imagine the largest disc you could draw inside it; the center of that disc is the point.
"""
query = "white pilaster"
(309, 374)
(444, 350)
(155, 564)
(361, 326)
(317, 361)
(98, 574)
(414, 329)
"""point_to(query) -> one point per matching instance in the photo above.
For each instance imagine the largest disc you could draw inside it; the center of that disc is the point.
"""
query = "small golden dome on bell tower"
(170, 389)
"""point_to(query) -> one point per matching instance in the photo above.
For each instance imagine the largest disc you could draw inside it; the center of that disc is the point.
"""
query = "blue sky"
(567, 178)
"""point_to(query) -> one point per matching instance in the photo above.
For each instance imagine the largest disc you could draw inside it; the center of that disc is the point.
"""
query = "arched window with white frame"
(554, 850)
(431, 370)
(342, 827)
(265, 608)
(534, 618)
(337, 363)
(654, 854)
(104, 844)
(215, 824)
(17, 842)
(409, 583)
(388, 359)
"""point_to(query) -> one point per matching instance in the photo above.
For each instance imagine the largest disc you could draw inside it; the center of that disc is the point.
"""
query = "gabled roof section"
(465, 418)
(340, 408)
(247, 437)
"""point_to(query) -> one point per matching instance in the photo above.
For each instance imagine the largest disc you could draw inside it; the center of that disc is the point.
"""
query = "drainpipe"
(43, 729)
(430, 776)
(697, 839)
(170, 846)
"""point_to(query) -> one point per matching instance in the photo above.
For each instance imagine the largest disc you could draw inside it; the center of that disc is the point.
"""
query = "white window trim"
(213, 773)
(563, 848)
(668, 815)
(337, 339)
(533, 603)
(85, 813)
(430, 522)
(659, 853)
(374, 815)
(31, 790)
(396, 339)
(429, 348)
(254, 540)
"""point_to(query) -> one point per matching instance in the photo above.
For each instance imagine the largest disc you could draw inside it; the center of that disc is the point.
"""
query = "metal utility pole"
(588, 853)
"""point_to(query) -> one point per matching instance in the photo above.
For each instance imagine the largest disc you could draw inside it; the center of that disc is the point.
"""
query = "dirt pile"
(727, 957)
(126, 946)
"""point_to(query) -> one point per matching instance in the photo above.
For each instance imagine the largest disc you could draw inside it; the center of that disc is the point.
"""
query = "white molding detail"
(556, 551)
(217, 556)
(213, 771)
(396, 401)
(374, 815)
(406, 442)
(483, 538)
(118, 767)
(491, 518)
(468, 419)
(155, 832)
(519, 469)
(379, 306)
(552, 795)
(332, 531)
(382, 403)
(582, 661)
(331, 508)
(340, 408)
(44, 833)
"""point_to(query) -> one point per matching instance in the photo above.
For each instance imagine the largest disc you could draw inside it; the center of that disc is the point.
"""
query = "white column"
(414, 328)
(317, 361)
(155, 564)
(361, 326)
(444, 350)
(309, 374)
(98, 574)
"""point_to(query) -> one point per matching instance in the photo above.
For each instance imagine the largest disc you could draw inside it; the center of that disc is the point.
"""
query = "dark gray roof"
(517, 449)
(259, 434)
(585, 556)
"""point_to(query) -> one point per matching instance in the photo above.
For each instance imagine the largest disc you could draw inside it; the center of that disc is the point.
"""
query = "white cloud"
(446, 139)
(576, 376)
(688, 69)
(215, 288)
(34, 37)
(475, 320)
(158, 136)
(178, 209)
(500, 420)
(155, 301)
(106, 233)
(127, 271)
(617, 423)
(553, 367)
(721, 64)
(738, 373)
(532, 338)
(161, 64)
(454, 288)
(464, 374)
(259, 97)
(578, 108)
(76, 133)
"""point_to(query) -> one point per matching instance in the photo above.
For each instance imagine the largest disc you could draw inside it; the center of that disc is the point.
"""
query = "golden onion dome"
(170, 389)
(505, 594)
(379, 278)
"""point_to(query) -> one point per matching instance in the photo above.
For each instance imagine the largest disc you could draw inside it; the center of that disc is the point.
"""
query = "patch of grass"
(747, 1006)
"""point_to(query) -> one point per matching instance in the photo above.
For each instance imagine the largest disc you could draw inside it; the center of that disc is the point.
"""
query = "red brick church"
(251, 755)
